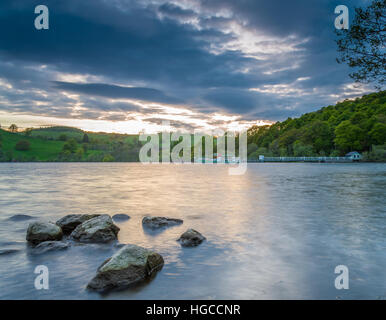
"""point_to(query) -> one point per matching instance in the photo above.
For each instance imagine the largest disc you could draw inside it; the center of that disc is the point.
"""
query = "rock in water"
(98, 229)
(70, 222)
(191, 238)
(47, 246)
(121, 217)
(159, 222)
(43, 231)
(20, 217)
(7, 251)
(128, 266)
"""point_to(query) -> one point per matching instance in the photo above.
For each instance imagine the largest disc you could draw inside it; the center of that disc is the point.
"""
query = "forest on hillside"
(351, 125)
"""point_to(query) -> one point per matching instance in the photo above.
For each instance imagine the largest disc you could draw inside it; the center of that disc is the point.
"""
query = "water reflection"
(276, 232)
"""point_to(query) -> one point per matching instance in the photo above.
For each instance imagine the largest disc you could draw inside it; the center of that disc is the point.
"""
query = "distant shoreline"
(249, 162)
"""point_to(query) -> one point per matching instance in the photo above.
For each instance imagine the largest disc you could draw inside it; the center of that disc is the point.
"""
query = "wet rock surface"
(43, 231)
(20, 217)
(48, 246)
(100, 229)
(4, 252)
(129, 266)
(121, 217)
(160, 222)
(191, 238)
(70, 222)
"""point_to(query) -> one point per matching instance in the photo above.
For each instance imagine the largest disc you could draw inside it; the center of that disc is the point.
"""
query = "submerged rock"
(159, 222)
(20, 217)
(47, 246)
(43, 231)
(191, 238)
(130, 265)
(4, 252)
(99, 229)
(121, 217)
(70, 222)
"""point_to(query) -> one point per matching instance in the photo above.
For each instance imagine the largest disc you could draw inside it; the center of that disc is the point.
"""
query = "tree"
(362, 46)
(13, 128)
(85, 138)
(27, 132)
(252, 147)
(63, 137)
(70, 146)
(348, 137)
(22, 145)
(108, 158)
(378, 133)
(301, 150)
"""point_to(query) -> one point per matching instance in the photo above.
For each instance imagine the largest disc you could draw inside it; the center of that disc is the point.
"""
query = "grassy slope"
(45, 144)
(41, 150)
(77, 134)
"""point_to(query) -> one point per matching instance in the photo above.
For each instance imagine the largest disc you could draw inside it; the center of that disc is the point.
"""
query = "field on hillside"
(56, 132)
(40, 149)
(68, 144)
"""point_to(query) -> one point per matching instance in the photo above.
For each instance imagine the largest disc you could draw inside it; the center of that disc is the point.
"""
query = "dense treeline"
(352, 125)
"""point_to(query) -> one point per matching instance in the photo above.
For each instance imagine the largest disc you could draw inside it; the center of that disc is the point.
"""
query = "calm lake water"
(277, 232)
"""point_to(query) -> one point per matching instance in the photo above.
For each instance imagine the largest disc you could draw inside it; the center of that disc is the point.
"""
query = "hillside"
(350, 125)
(358, 125)
(67, 144)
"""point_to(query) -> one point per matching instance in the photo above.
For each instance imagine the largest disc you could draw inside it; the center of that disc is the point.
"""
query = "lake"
(276, 232)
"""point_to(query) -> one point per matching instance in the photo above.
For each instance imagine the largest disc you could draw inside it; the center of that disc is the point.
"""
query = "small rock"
(43, 231)
(99, 229)
(47, 246)
(4, 252)
(191, 238)
(121, 217)
(20, 217)
(70, 222)
(159, 222)
(130, 265)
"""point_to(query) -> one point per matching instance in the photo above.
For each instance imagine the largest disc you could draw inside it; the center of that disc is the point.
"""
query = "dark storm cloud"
(132, 45)
(173, 123)
(175, 11)
(169, 61)
(232, 99)
(115, 92)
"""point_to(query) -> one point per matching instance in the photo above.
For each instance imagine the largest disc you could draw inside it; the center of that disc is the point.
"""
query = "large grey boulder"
(43, 231)
(130, 265)
(70, 222)
(99, 229)
(47, 246)
(159, 222)
(191, 238)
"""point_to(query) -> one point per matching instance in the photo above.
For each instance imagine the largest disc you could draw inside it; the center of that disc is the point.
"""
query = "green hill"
(39, 150)
(358, 125)
(67, 144)
(350, 125)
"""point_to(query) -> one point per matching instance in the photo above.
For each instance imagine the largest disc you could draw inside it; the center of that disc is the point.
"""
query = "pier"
(302, 159)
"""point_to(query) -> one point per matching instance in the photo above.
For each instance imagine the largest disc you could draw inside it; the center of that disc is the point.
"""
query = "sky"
(128, 66)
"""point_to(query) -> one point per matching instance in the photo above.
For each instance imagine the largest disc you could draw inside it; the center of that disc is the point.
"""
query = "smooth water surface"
(276, 232)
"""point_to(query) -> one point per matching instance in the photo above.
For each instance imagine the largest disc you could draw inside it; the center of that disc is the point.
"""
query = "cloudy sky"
(127, 65)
